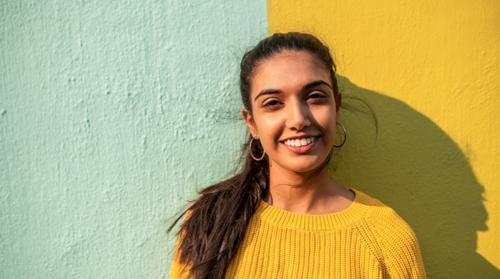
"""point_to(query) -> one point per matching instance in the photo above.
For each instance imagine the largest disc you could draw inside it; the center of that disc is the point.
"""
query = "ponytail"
(218, 218)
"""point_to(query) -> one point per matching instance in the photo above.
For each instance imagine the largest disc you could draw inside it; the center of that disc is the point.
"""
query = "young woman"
(282, 215)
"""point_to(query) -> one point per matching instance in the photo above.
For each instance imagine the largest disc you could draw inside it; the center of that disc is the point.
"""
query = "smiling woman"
(282, 215)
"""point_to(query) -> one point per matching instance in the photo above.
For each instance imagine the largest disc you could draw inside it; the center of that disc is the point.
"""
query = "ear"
(250, 123)
(338, 102)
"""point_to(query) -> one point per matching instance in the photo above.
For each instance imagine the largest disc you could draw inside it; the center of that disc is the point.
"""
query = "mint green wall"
(112, 115)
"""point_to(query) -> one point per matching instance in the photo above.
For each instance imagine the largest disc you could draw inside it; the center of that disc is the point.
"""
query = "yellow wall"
(430, 70)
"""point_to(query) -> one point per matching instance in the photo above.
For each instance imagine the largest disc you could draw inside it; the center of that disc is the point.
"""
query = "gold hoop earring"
(345, 135)
(251, 153)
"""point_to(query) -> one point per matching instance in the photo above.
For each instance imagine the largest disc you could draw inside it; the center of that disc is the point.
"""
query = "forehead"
(288, 70)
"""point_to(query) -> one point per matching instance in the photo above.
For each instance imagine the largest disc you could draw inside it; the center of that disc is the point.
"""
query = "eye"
(317, 95)
(272, 104)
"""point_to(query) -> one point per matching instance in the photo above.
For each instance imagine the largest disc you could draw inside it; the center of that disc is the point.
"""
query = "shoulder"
(393, 239)
(179, 269)
(383, 218)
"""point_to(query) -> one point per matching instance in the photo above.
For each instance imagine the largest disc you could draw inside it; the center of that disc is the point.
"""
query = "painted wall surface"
(430, 70)
(112, 115)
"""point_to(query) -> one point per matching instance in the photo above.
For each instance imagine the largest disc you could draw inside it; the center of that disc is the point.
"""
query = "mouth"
(303, 145)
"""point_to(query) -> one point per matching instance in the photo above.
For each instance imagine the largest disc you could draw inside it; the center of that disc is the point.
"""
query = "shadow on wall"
(417, 169)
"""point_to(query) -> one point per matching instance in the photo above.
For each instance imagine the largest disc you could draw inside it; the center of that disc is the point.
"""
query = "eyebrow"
(312, 84)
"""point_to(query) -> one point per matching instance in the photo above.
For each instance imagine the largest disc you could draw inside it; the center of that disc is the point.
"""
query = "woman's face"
(292, 97)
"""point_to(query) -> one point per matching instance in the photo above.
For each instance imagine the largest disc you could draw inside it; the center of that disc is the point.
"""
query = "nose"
(298, 115)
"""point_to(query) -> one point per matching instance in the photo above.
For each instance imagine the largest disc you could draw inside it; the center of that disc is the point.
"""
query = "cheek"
(269, 128)
(326, 119)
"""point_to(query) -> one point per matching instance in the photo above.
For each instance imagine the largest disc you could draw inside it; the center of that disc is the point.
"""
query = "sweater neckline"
(324, 221)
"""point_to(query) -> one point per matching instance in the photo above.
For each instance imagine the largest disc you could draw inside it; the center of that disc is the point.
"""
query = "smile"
(302, 145)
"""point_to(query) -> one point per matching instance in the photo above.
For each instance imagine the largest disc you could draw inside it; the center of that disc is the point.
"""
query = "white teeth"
(299, 142)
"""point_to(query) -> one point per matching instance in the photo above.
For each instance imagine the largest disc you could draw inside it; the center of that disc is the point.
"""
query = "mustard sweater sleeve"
(398, 246)
(177, 269)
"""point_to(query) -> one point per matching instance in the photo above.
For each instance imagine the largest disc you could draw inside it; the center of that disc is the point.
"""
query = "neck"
(304, 192)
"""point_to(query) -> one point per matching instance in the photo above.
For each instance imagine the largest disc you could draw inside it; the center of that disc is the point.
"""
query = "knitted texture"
(368, 239)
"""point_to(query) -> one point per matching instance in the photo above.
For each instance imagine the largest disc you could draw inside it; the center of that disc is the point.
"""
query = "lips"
(305, 148)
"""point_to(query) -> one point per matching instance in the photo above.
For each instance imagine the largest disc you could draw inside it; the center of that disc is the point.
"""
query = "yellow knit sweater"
(366, 240)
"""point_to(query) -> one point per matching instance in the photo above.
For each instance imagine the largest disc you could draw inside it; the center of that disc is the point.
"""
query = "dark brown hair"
(218, 217)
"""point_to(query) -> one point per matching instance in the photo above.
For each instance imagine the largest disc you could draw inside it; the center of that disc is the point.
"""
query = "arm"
(179, 270)
(399, 246)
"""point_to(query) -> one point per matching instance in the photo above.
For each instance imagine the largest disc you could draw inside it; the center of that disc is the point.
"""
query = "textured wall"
(430, 70)
(112, 114)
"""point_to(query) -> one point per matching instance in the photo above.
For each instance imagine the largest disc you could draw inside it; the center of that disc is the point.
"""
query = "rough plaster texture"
(430, 70)
(112, 115)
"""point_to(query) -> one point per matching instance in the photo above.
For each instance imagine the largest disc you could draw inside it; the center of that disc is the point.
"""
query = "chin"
(303, 165)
